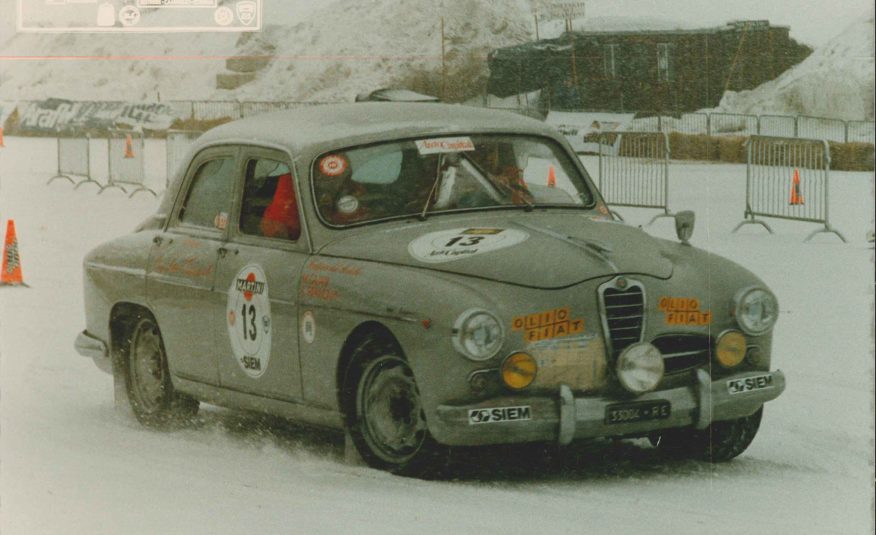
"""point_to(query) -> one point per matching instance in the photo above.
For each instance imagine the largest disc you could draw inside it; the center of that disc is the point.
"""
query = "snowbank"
(836, 81)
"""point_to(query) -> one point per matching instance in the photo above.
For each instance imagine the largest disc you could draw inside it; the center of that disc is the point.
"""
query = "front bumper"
(93, 347)
(564, 417)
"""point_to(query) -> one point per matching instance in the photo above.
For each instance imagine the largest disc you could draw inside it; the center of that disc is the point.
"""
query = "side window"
(209, 195)
(270, 207)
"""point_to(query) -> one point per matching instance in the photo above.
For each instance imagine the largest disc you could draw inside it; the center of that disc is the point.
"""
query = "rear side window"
(209, 195)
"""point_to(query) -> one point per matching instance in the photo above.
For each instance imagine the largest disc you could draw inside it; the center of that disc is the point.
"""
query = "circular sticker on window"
(249, 320)
(348, 204)
(449, 245)
(333, 165)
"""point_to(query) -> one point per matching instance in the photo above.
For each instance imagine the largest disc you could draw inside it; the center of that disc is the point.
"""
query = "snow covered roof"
(640, 25)
(336, 125)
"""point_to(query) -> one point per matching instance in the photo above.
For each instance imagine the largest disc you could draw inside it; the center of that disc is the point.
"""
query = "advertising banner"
(58, 115)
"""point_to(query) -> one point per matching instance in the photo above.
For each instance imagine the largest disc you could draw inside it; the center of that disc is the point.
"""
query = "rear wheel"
(150, 391)
(719, 442)
(387, 421)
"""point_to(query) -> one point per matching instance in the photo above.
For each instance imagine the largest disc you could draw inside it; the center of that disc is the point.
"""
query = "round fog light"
(519, 370)
(730, 349)
(640, 368)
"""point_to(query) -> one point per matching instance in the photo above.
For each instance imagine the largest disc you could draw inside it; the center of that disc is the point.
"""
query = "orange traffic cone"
(1, 138)
(11, 270)
(796, 194)
(129, 146)
(552, 177)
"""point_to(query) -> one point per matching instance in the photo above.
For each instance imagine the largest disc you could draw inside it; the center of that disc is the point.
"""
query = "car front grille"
(623, 312)
(682, 352)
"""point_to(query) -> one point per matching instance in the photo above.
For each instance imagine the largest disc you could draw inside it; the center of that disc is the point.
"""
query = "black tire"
(719, 442)
(153, 399)
(384, 416)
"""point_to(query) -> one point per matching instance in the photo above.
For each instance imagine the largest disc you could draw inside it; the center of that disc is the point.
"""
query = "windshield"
(424, 176)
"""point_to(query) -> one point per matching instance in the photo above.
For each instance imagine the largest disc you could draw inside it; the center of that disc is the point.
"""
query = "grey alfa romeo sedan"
(424, 276)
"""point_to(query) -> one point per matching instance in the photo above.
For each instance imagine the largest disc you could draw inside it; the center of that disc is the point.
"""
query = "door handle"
(224, 251)
(157, 240)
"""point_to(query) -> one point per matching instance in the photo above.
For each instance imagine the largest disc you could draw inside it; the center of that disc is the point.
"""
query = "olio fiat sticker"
(249, 320)
(444, 145)
(546, 325)
(449, 245)
(308, 327)
(333, 165)
(683, 311)
(499, 415)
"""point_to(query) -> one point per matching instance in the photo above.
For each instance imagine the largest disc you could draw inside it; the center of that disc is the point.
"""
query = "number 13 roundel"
(456, 244)
(248, 318)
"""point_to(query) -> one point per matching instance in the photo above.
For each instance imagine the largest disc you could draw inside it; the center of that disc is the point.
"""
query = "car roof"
(322, 127)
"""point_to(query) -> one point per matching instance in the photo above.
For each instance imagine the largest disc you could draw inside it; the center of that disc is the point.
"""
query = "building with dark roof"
(659, 70)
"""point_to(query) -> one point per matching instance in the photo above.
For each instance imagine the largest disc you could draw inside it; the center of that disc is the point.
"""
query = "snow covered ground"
(72, 464)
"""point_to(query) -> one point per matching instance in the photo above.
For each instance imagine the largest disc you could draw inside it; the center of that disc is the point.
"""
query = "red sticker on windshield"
(333, 165)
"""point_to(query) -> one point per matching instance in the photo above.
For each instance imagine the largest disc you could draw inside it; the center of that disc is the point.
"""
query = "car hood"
(537, 249)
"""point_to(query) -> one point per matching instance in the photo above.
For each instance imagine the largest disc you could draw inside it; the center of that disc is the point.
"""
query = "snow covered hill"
(338, 50)
(836, 81)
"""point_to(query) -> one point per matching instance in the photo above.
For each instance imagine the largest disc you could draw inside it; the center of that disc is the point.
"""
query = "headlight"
(477, 334)
(640, 368)
(730, 349)
(756, 310)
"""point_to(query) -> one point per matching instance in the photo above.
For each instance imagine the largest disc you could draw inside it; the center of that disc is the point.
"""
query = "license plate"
(758, 382)
(624, 413)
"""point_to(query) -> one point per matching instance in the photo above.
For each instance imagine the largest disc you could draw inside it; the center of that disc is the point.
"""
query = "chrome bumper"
(564, 418)
(90, 346)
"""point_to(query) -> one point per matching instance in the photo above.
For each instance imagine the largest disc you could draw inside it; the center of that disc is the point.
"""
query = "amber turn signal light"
(519, 370)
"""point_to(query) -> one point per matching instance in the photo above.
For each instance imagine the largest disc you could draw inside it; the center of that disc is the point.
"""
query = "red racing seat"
(280, 219)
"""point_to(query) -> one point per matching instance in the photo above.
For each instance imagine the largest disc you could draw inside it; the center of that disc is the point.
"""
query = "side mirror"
(684, 226)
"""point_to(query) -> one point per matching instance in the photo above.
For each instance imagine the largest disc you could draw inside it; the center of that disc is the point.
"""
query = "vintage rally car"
(424, 276)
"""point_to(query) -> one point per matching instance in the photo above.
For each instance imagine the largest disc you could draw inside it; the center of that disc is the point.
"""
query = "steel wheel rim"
(147, 366)
(388, 402)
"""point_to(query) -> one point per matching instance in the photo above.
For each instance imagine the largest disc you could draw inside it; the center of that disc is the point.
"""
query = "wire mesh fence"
(74, 160)
(777, 125)
(787, 178)
(732, 124)
(127, 166)
(634, 170)
(821, 128)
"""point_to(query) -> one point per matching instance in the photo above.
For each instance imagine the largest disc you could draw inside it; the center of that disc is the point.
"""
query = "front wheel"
(150, 391)
(388, 426)
(719, 442)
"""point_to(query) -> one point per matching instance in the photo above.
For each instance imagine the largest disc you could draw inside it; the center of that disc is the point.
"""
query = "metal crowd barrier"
(74, 159)
(127, 166)
(714, 124)
(821, 128)
(733, 124)
(787, 178)
(777, 125)
(861, 132)
(176, 147)
(634, 170)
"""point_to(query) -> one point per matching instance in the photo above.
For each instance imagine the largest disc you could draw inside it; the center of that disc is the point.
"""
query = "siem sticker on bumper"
(499, 415)
(759, 382)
